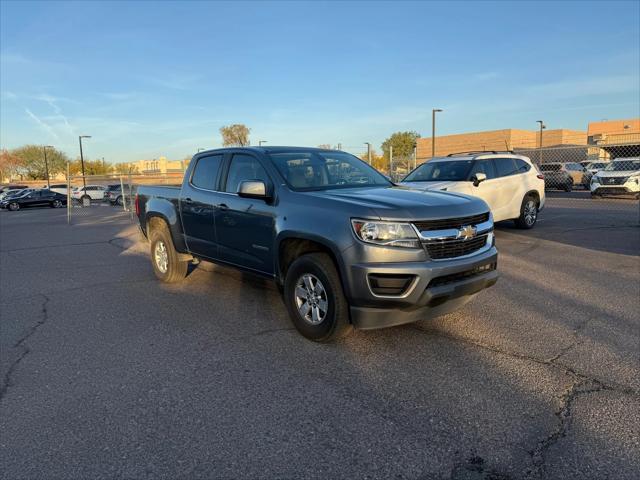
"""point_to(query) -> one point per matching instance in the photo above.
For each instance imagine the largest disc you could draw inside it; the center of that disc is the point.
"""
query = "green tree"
(124, 168)
(403, 144)
(91, 167)
(32, 160)
(235, 135)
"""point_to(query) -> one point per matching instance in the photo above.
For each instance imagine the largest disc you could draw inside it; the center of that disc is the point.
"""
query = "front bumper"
(427, 296)
(630, 186)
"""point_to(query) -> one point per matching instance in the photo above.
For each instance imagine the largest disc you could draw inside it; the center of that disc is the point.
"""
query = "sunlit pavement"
(108, 373)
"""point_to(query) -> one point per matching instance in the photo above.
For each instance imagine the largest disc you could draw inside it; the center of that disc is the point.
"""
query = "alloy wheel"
(311, 299)
(530, 212)
(161, 257)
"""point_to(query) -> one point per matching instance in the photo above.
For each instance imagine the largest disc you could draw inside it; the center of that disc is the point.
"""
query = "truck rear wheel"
(314, 298)
(164, 258)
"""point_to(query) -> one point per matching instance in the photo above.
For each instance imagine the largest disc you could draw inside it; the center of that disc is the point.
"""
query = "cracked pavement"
(107, 373)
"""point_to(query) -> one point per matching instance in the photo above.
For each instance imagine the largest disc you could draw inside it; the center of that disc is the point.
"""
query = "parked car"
(344, 253)
(113, 194)
(619, 177)
(60, 188)
(91, 192)
(594, 167)
(13, 187)
(9, 193)
(34, 198)
(578, 174)
(556, 176)
(510, 184)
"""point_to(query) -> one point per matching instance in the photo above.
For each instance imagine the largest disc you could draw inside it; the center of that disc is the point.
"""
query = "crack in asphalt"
(574, 344)
(582, 385)
(21, 343)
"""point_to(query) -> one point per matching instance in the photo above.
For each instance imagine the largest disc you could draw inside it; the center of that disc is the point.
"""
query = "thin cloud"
(42, 124)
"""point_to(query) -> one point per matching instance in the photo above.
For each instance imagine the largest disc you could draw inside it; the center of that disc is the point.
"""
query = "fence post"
(130, 195)
(68, 196)
(124, 195)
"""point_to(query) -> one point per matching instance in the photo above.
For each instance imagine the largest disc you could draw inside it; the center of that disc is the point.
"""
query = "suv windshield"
(449, 170)
(323, 170)
(623, 166)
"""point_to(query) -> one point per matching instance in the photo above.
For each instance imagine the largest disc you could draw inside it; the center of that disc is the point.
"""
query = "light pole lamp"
(368, 144)
(80, 137)
(46, 163)
(433, 131)
(542, 127)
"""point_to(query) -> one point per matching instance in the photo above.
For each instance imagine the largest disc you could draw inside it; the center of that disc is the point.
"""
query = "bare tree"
(235, 135)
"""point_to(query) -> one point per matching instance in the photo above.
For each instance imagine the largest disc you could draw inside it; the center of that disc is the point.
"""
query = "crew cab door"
(198, 197)
(245, 226)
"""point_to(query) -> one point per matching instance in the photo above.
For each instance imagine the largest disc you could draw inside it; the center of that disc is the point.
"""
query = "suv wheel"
(528, 213)
(164, 258)
(314, 298)
(13, 206)
(119, 201)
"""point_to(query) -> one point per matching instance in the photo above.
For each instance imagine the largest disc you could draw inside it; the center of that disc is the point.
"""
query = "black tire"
(119, 201)
(528, 213)
(175, 269)
(56, 204)
(335, 322)
(13, 206)
(568, 187)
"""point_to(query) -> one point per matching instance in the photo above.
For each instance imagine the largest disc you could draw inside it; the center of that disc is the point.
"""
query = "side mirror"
(253, 189)
(478, 178)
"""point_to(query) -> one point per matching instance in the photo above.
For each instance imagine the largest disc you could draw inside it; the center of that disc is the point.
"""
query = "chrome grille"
(446, 223)
(440, 249)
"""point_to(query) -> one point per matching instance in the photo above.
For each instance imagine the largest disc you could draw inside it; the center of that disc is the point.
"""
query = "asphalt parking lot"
(108, 373)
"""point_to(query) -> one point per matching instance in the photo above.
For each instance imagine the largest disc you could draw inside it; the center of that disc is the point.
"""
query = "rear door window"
(522, 166)
(205, 173)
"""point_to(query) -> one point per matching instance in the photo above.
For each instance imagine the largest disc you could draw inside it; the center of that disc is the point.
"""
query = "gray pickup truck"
(346, 247)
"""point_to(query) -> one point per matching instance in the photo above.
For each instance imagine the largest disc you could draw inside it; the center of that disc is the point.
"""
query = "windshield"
(596, 165)
(324, 170)
(623, 166)
(449, 170)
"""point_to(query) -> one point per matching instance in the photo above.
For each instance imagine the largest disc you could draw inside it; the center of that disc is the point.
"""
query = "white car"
(620, 177)
(92, 192)
(512, 185)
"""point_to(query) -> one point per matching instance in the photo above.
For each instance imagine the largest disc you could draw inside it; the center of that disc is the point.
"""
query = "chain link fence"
(105, 197)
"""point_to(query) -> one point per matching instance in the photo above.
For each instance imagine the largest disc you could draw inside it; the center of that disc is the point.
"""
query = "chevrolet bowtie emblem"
(467, 232)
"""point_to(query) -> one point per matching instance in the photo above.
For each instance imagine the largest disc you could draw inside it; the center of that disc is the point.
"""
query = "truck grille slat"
(440, 249)
(451, 222)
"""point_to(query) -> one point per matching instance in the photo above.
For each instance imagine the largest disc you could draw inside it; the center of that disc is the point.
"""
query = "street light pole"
(46, 163)
(368, 152)
(433, 131)
(80, 137)
(542, 127)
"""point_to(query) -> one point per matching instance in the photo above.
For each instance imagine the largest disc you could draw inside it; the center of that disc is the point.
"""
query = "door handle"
(188, 200)
(223, 206)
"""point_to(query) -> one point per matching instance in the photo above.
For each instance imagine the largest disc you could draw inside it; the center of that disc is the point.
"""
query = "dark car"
(34, 198)
(347, 247)
(12, 187)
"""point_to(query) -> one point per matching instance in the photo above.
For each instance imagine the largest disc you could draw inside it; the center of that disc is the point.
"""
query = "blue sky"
(148, 79)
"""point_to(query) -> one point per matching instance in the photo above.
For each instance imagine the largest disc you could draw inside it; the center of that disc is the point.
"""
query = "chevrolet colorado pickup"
(346, 247)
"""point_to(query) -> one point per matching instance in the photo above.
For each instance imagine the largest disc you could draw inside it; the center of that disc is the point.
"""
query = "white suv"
(92, 192)
(512, 185)
(620, 177)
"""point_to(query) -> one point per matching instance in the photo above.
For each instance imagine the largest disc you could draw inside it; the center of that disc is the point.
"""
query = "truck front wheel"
(164, 258)
(314, 298)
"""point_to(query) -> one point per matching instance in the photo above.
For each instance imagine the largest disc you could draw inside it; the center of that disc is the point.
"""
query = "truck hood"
(401, 203)
(429, 185)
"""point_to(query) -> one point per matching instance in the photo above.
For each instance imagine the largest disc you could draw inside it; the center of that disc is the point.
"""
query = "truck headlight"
(390, 234)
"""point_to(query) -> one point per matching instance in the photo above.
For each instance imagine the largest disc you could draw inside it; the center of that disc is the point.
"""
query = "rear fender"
(166, 210)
